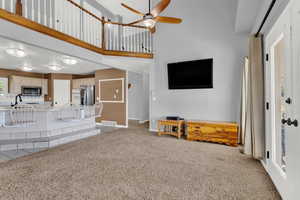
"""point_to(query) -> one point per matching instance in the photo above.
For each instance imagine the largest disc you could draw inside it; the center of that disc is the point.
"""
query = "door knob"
(294, 123)
(284, 121)
(288, 101)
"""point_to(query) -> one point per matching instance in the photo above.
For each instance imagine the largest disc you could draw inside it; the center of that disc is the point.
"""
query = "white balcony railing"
(85, 23)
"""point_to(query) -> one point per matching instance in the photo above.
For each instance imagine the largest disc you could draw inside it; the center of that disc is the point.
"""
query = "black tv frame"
(186, 87)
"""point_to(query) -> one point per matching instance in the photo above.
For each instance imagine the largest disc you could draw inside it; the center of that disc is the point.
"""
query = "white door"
(282, 140)
(62, 92)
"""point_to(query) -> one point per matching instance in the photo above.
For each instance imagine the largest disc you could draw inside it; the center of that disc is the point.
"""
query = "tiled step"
(46, 142)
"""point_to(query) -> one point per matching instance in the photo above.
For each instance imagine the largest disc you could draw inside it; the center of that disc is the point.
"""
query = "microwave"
(31, 91)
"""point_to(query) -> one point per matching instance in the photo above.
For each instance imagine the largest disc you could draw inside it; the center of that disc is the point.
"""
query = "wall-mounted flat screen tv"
(197, 74)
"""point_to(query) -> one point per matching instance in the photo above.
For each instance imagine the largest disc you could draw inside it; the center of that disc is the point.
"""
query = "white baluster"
(50, 14)
(88, 29)
(71, 19)
(3, 4)
(127, 38)
(113, 37)
(144, 42)
(135, 39)
(39, 11)
(25, 8)
(32, 10)
(12, 6)
(148, 40)
(91, 29)
(95, 31)
(45, 13)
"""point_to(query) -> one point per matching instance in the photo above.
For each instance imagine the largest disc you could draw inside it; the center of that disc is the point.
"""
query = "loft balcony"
(67, 20)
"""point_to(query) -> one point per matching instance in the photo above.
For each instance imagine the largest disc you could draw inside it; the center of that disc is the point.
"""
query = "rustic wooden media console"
(225, 133)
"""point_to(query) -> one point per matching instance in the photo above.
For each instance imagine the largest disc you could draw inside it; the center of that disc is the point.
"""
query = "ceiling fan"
(152, 17)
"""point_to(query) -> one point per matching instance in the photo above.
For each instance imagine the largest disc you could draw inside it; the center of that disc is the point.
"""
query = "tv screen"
(197, 74)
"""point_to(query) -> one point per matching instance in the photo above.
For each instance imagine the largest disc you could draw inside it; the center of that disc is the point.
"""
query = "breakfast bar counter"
(41, 126)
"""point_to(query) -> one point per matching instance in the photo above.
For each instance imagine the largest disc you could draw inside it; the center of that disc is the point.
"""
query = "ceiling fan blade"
(160, 7)
(136, 22)
(171, 20)
(132, 10)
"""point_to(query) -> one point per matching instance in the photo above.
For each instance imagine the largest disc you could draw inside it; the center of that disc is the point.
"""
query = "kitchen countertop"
(45, 108)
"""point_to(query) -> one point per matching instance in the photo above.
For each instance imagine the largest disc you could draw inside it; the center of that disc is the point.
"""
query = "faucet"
(16, 100)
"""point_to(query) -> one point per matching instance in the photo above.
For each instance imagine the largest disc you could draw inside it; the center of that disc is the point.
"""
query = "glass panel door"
(280, 96)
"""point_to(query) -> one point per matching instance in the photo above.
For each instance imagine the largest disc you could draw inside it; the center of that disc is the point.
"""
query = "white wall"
(138, 96)
(207, 31)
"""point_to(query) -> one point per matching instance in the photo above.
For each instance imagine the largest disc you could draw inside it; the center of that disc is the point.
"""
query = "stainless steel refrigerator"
(87, 95)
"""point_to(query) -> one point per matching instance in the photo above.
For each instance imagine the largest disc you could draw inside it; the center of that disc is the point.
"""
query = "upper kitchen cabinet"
(3, 85)
(17, 82)
(77, 83)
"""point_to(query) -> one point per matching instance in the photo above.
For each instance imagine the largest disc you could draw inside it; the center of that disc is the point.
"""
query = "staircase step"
(46, 142)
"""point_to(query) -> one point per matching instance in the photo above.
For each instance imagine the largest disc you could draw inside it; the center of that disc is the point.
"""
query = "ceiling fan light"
(149, 23)
(16, 52)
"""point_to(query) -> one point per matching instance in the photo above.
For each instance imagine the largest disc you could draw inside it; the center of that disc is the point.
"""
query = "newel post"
(103, 33)
(19, 7)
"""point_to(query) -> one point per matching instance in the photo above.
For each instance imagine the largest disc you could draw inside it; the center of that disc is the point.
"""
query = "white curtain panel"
(252, 134)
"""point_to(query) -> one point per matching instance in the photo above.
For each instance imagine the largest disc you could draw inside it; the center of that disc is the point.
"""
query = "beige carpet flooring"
(135, 164)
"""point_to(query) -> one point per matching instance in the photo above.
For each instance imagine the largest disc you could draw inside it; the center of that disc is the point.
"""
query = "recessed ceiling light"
(27, 69)
(55, 67)
(16, 52)
(69, 60)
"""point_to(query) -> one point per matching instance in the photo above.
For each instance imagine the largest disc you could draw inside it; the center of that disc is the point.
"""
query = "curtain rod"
(266, 17)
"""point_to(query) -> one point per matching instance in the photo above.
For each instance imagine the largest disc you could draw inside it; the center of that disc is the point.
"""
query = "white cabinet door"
(62, 90)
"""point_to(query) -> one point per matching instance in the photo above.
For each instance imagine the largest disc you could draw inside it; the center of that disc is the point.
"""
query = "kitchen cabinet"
(16, 83)
(76, 83)
(3, 85)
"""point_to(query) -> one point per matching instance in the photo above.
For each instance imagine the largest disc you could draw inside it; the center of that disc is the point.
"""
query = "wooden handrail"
(85, 10)
(130, 25)
(103, 19)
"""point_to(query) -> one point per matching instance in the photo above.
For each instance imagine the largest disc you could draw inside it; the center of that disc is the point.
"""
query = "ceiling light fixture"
(55, 67)
(69, 60)
(149, 23)
(27, 69)
(16, 52)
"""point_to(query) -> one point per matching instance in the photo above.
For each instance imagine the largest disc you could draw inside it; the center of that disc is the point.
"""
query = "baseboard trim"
(135, 119)
(117, 126)
(153, 130)
(121, 126)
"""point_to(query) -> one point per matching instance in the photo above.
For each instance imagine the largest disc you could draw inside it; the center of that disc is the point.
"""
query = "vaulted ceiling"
(247, 12)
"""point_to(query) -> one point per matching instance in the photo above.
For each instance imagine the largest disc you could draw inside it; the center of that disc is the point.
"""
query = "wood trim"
(130, 25)
(79, 76)
(9, 72)
(128, 54)
(61, 36)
